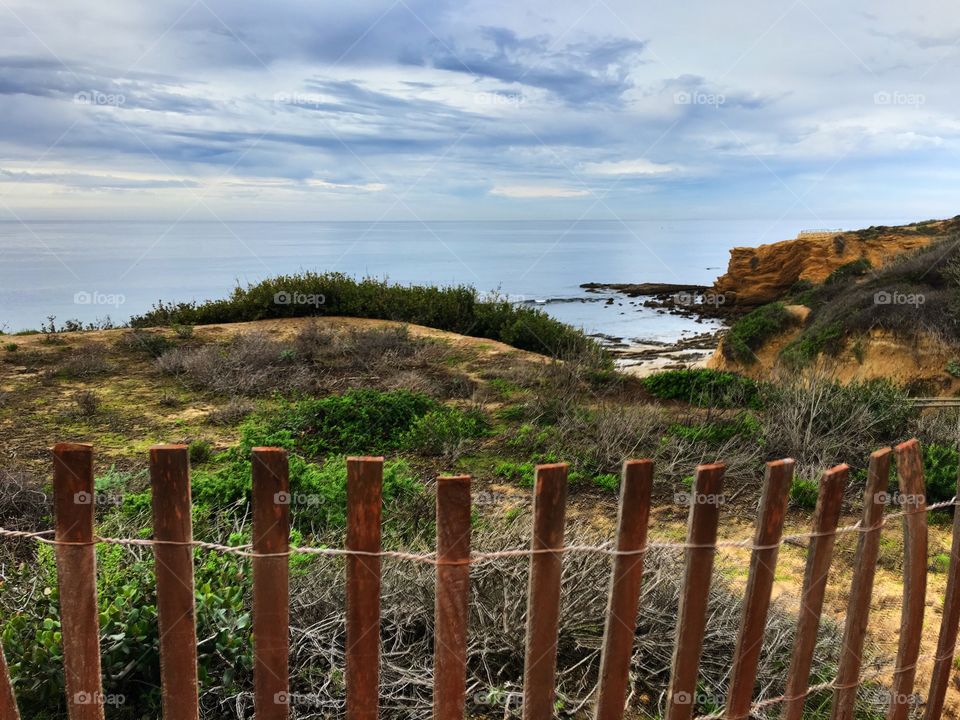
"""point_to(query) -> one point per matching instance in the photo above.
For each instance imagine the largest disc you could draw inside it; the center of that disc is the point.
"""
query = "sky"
(437, 110)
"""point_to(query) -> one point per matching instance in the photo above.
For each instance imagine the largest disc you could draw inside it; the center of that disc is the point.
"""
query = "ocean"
(91, 270)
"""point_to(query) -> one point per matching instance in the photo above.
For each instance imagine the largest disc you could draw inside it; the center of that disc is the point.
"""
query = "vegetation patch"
(940, 472)
(917, 292)
(703, 387)
(457, 309)
(750, 332)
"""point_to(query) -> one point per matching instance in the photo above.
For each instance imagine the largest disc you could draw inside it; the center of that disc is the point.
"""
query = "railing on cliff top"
(75, 540)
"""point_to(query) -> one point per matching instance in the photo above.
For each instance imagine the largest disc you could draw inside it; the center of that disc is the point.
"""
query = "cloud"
(439, 101)
(583, 72)
(640, 166)
(536, 192)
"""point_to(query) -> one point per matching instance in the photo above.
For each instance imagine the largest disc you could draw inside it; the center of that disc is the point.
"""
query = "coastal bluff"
(763, 274)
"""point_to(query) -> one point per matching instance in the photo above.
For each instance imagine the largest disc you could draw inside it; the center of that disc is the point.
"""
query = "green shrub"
(751, 331)
(940, 563)
(129, 647)
(457, 309)
(607, 481)
(183, 332)
(703, 387)
(10, 347)
(718, 432)
(805, 349)
(804, 493)
(361, 421)
(953, 367)
(940, 472)
(515, 472)
(200, 452)
(444, 431)
(849, 271)
(511, 413)
(151, 343)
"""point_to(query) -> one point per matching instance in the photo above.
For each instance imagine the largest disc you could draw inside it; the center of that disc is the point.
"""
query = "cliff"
(763, 274)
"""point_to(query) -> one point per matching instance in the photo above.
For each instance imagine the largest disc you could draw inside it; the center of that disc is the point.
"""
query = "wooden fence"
(74, 540)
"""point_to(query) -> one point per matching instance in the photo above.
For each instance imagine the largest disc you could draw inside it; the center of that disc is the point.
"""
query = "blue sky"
(295, 110)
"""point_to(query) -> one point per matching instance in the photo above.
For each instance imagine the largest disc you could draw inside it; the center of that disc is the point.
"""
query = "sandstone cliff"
(763, 274)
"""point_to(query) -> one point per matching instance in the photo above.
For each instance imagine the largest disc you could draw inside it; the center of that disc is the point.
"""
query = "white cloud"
(529, 192)
(640, 166)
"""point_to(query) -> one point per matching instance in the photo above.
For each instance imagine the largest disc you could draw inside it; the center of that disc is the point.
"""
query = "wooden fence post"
(861, 588)
(947, 641)
(8, 703)
(364, 505)
(756, 604)
(452, 607)
(543, 595)
(705, 501)
(910, 472)
(621, 622)
(77, 579)
(176, 614)
(271, 589)
(819, 555)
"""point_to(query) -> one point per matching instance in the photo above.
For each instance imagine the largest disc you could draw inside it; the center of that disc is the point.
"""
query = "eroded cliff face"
(763, 274)
(920, 362)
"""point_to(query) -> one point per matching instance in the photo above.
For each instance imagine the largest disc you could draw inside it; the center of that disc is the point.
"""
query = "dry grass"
(317, 360)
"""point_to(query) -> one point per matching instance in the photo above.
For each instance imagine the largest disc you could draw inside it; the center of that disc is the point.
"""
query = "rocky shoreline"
(644, 357)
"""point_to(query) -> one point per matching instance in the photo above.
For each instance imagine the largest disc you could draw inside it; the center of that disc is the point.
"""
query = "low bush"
(803, 350)
(750, 332)
(848, 271)
(152, 343)
(200, 452)
(457, 309)
(358, 421)
(804, 493)
(940, 472)
(703, 387)
(86, 403)
(86, 362)
(445, 431)
(130, 655)
(820, 422)
(940, 563)
(720, 431)
(519, 473)
(235, 410)
(607, 481)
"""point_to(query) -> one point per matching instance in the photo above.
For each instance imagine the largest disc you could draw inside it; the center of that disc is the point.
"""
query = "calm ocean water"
(89, 270)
